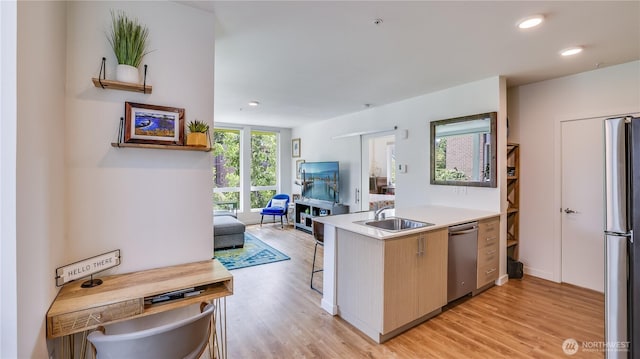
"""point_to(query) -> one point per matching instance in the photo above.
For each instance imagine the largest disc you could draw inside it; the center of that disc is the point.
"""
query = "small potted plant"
(128, 39)
(197, 134)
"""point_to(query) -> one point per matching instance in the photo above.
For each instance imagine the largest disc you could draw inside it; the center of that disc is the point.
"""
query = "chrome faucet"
(378, 215)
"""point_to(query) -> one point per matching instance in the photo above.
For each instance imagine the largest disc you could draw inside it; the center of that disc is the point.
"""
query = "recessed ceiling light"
(253, 103)
(531, 21)
(571, 51)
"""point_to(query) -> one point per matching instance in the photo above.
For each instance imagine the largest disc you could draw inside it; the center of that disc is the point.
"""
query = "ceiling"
(307, 61)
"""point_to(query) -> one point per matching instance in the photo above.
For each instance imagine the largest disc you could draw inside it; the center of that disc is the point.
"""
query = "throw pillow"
(278, 203)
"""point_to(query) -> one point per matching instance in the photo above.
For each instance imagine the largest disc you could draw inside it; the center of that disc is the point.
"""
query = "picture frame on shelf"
(295, 147)
(153, 124)
(296, 197)
(298, 163)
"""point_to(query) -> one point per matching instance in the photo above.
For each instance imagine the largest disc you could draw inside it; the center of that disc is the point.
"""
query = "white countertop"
(440, 216)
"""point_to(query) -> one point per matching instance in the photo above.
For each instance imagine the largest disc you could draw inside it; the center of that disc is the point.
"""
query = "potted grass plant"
(128, 39)
(197, 134)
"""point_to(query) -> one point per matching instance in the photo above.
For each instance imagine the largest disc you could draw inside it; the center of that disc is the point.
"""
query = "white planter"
(127, 73)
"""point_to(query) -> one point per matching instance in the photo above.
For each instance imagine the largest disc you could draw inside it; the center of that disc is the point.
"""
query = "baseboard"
(384, 337)
(329, 307)
(539, 273)
(502, 280)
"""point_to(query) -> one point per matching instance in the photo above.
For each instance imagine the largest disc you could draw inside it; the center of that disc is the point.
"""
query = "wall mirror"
(463, 151)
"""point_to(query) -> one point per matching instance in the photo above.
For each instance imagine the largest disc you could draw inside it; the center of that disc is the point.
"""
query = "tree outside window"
(227, 169)
(264, 154)
(226, 165)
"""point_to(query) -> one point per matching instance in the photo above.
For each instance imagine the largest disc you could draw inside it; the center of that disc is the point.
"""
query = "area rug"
(255, 252)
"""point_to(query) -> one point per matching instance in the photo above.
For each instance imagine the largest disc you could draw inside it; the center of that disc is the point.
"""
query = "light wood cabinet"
(488, 251)
(388, 286)
(415, 277)
(401, 278)
(432, 269)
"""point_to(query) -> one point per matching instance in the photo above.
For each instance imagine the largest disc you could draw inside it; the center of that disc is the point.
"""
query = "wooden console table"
(122, 297)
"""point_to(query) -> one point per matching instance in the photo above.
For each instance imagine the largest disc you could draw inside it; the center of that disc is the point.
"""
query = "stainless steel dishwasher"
(463, 256)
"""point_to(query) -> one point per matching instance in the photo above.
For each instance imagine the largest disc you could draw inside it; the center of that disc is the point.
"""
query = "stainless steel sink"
(394, 224)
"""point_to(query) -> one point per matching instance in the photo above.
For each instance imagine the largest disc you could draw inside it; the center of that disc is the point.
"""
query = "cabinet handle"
(421, 245)
(491, 252)
(490, 271)
(489, 239)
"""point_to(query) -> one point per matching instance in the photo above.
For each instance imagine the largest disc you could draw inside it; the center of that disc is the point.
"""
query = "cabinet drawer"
(489, 226)
(487, 274)
(485, 241)
(488, 256)
(488, 232)
(85, 319)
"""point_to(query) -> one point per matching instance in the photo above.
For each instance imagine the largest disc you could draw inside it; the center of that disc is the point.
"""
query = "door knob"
(569, 211)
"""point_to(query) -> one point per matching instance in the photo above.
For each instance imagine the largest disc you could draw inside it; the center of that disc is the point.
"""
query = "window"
(264, 174)
(226, 165)
(232, 163)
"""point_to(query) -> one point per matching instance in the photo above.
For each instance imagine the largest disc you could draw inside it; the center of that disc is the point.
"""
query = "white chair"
(184, 338)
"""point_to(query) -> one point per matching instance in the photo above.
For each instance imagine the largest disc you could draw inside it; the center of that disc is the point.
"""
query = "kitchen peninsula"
(385, 282)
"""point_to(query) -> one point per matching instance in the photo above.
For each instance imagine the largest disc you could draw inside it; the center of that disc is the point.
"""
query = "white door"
(583, 203)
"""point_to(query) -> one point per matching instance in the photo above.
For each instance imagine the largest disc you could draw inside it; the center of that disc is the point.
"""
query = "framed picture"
(295, 147)
(296, 197)
(153, 124)
(298, 163)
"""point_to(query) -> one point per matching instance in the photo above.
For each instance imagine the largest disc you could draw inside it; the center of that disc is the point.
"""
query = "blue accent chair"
(277, 206)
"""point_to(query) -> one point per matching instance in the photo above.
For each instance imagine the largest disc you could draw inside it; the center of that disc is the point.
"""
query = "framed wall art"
(153, 124)
(295, 147)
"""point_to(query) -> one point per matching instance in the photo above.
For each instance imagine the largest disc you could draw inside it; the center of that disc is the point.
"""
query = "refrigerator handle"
(615, 161)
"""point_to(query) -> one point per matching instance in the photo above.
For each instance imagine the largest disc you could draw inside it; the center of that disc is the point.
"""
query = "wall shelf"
(124, 86)
(160, 147)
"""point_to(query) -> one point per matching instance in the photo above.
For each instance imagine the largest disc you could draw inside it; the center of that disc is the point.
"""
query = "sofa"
(228, 232)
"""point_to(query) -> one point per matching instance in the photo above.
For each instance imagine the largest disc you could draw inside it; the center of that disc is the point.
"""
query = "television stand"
(306, 209)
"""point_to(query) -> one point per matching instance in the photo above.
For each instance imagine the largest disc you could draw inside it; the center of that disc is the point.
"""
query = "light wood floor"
(274, 314)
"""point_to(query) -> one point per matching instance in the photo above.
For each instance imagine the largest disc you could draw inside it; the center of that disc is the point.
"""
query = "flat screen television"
(320, 180)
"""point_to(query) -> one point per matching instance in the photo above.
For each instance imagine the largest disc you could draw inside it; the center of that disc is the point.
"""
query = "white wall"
(40, 174)
(153, 205)
(535, 112)
(8, 117)
(76, 195)
(413, 115)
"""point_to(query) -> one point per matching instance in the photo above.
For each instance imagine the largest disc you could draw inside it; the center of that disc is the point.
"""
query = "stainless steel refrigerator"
(622, 263)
